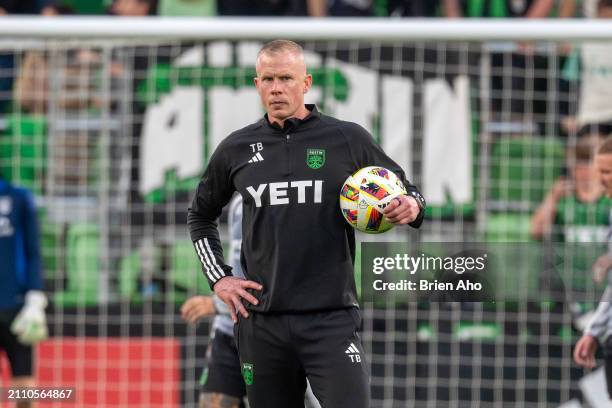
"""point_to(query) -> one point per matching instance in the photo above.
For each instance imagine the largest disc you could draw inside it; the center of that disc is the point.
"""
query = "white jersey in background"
(596, 87)
(600, 325)
(223, 321)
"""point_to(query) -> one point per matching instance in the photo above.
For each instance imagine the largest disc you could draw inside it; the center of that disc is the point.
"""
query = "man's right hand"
(584, 353)
(232, 290)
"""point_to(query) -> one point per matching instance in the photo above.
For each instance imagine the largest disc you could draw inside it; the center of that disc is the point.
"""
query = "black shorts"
(279, 351)
(19, 355)
(222, 371)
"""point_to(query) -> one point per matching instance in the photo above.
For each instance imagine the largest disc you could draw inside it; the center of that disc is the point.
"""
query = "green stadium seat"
(183, 276)
(523, 169)
(129, 273)
(82, 266)
(52, 247)
(23, 146)
(186, 273)
(507, 227)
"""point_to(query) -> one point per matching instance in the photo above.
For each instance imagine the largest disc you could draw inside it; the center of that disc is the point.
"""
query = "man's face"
(281, 83)
(604, 165)
(130, 8)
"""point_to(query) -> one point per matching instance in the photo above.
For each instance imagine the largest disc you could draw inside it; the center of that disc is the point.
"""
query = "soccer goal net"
(111, 123)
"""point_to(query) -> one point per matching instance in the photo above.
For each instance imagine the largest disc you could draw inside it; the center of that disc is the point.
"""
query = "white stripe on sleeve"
(206, 267)
(208, 263)
(212, 255)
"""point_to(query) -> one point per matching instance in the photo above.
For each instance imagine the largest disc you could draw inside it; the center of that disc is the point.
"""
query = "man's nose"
(276, 88)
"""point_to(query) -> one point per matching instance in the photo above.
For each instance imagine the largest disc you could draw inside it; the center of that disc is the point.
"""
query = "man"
(297, 250)
(600, 326)
(22, 302)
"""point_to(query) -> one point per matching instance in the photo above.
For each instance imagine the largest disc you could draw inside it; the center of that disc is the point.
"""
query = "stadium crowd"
(313, 8)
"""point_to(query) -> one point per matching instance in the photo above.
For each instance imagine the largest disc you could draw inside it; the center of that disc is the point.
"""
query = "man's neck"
(301, 114)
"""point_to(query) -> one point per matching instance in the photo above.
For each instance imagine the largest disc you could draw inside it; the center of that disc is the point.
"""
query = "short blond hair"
(279, 46)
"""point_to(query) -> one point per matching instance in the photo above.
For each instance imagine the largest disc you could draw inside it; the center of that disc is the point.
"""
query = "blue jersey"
(20, 265)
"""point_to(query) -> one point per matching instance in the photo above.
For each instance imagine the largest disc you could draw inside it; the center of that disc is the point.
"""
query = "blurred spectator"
(520, 86)
(575, 212)
(498, 8)
(129, 8)
(570, 62)
(312, 8)
(201, 8)
(31, 90)
(575, 209)
(595, 101)
(7, 60)
(134, 8)
(316, 8)
(31, 60)
(55, 9)
(577, 8)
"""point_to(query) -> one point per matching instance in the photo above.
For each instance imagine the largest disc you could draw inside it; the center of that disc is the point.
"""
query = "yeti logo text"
(278, 192)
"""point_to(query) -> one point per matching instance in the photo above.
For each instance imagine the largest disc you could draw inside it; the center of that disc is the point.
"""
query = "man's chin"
(278, 110)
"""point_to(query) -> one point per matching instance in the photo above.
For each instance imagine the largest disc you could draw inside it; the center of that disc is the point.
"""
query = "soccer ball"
(365, 194)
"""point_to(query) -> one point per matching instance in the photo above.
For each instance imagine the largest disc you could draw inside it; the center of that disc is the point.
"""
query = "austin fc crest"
(6, 205)
(248, 373)
(315, 158)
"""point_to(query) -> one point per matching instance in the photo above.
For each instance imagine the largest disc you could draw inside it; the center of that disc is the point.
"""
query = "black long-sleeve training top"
(296, 242)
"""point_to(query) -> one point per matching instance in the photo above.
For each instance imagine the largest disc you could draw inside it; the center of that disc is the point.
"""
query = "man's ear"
(307, 83)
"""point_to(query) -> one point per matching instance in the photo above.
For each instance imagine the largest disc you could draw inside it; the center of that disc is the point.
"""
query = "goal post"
(111, 122)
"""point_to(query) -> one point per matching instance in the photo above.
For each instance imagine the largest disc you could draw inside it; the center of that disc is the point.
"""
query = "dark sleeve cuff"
(414, 193)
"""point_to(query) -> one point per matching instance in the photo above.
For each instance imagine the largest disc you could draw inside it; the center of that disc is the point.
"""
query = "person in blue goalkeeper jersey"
(22, 301)
(599, 329)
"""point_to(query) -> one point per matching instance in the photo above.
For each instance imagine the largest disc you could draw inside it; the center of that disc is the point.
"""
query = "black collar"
(293, 123)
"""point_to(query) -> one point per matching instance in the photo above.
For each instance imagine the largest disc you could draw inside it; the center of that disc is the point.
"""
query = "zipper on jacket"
(288, 153)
